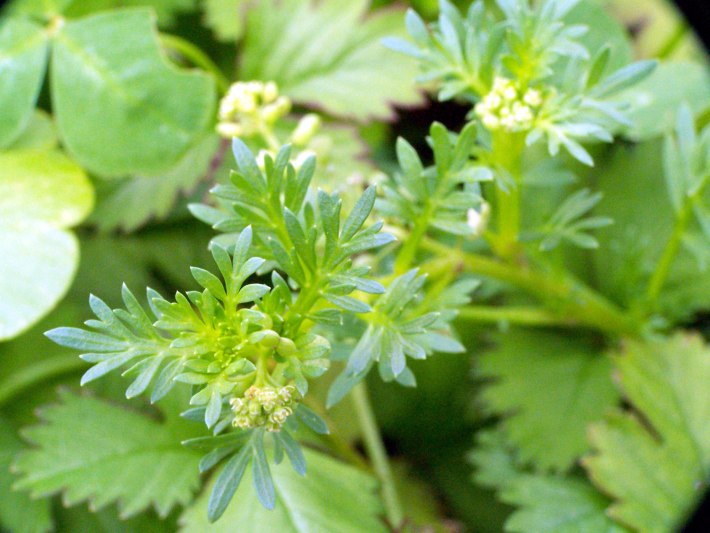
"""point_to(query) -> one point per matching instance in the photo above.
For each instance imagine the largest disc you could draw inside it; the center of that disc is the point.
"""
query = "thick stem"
(378, 455)
(569, 296)
(523, 316)
(507, 157)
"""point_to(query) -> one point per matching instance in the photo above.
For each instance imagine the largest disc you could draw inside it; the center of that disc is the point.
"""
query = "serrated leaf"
(329, 54)
(656, 468)
(96, 84)
(346, 492)
(557, 505)
(23, 59)
(547, 384)
(41, 193)
(84, 442)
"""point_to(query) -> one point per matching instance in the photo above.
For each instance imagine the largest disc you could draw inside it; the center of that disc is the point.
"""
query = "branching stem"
(569, 296)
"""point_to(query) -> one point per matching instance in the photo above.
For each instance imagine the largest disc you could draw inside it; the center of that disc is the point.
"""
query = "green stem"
(36, 373)
(569, 296)
(523, 316)
(507, 155)
(197, 57)
(409, 249)
(378, 455)
(670, 252)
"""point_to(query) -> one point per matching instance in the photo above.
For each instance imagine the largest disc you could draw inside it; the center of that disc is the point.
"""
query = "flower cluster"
(264, 407)
(249, 107)
(506, 107)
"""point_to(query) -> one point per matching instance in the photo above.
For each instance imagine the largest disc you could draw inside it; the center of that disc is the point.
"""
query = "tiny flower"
(533, 97)
(478, 220)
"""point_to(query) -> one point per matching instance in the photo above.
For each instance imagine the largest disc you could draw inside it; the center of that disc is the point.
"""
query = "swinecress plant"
(298, 276)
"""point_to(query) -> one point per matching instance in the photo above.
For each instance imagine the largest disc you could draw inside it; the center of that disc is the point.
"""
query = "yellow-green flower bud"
(306, 129)
(286, 347)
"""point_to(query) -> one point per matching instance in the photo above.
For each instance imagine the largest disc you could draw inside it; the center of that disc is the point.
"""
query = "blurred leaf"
(165, 10)
(636, 197)
(107, 521)
(547, 384)
(120, 107)
(83, 445)
(226, 18)
(329, 55)
(545, 503)
(18, 513)
(557, 505)
(604, 30)
(653, 103)
(41, 193)
(40, 133)
(23, 59)
(654, 461)
(346, 493)
(128, 204)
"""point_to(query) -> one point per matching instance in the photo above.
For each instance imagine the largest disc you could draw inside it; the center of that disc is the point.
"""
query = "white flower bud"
(533, 98)
(478, 220)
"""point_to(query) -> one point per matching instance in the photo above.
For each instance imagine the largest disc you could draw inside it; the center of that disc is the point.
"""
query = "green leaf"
(165, 10)
(225, 18)
(655, 461)
(120, 107)
(557, 505)
(41, 193)
(345, 492)
(23, 59)
(18, 513)
(85, 443)
(40, 133)
(547, 384)
(636, 197)
(653, 103)
(544, 503)
(129, 203)
(329, 54)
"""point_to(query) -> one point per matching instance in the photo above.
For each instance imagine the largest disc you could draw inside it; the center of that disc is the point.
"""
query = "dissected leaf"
(655, 461)
(89, 449)
(331, 497)
(23, 58)
(41, 193)
(120, 107)
(328, 54)
(550, 387)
